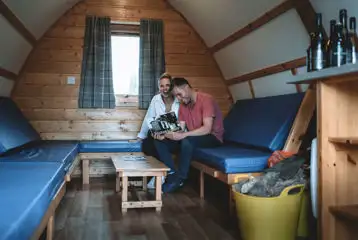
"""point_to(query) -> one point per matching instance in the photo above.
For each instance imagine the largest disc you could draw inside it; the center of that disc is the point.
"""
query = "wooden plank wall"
(51, 105)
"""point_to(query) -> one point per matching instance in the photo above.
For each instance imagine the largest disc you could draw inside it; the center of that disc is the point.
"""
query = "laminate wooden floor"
(95, 213)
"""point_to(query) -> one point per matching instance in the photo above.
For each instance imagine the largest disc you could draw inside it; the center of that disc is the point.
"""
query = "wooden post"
(145, 182)
(302, 120)
(85, 171)
(50, 228)
(202, 185)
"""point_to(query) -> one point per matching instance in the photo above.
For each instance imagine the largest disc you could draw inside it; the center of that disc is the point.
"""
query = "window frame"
(126, 29)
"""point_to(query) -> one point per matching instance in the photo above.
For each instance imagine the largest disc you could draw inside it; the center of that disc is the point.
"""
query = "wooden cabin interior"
(76, 81)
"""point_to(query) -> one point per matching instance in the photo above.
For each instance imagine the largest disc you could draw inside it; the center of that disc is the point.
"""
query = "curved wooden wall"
(51, 105)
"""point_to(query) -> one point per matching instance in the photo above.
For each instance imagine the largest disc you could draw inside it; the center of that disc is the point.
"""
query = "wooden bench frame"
(293, 143)
(48, 220)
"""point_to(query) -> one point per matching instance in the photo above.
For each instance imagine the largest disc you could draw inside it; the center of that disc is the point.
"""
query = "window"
(125, 68)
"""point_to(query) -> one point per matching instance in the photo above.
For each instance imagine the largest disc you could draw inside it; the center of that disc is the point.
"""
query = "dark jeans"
(186, 148)
(148, 147)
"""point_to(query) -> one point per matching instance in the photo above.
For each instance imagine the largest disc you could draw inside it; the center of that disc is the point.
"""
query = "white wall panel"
(273, 85)
(39, 15)
(240, 91)
(217, 19)
(330, 9)
(6, 86)
(282, 39)
(14, 48)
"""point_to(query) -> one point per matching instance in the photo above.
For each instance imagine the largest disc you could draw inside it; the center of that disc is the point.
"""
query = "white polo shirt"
(155, 109)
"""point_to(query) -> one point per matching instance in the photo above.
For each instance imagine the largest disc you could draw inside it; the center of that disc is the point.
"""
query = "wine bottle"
(318, 46)
(351, 48)
(309, 53)
(338, 48)
(329, 43)
(343, 21)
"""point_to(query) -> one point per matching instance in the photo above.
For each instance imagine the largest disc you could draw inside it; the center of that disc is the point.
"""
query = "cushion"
(233, 159)
(46, 151)
(15, 130)
(109, 146)
(26, 190)
(262, 122)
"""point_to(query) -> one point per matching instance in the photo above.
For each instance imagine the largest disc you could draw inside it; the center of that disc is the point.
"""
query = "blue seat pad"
(262, 122)
(26, 190)
(233, 159)
(47, 151)
(15, 130)
(109, 146)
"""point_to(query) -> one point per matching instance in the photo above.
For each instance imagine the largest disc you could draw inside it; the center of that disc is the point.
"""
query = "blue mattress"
(109, 146)
(26, 190)
(233, 159)
(47, 151)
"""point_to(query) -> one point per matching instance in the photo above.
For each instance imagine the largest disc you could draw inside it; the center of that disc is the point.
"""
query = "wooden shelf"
(349, 212)
(345, 140)
(345, 73)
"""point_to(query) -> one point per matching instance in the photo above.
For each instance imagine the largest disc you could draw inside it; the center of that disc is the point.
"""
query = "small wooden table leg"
(158, 191)
(118, 182)
(145, 182)
(124, 192)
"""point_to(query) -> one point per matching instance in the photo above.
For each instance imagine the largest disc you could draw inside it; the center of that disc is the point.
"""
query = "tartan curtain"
(151, 59)
(96, 88)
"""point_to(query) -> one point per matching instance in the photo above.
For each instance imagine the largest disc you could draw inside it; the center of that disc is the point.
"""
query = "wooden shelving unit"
(349, 213)
(344, 140)
(337, 135)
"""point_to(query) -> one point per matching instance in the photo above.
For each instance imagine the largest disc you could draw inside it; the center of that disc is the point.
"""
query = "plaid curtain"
(151, 59)
(96, 89)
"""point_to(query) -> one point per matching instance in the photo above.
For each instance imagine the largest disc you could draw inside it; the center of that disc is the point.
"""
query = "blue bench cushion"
(26, 190)
(262, 122)
(233, 159)
(47, 151)
(15, 130)
(109, 146)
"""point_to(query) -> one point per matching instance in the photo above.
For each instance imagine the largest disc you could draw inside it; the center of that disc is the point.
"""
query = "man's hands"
(158, 136)
(176, 136)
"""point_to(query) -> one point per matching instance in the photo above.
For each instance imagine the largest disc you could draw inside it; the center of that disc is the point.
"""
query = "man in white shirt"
(161, 103)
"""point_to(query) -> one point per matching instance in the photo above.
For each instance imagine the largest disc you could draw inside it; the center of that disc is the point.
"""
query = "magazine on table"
(167, 122)
(134, 158)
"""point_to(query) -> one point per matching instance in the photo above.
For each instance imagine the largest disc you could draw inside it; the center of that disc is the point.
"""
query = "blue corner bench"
(34, 172)
(254, 129)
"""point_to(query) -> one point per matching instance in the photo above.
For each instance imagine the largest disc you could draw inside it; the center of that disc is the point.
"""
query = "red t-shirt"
(204, 106)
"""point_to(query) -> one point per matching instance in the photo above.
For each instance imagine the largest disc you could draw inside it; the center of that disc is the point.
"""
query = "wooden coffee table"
(139, 166)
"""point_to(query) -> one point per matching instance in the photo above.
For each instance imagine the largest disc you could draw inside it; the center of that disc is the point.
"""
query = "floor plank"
(94, 212)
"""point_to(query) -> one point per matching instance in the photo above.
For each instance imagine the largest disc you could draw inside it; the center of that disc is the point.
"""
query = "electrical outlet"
(71, 80)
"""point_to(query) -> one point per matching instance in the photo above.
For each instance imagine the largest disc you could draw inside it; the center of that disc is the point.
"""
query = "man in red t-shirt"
(204, 129)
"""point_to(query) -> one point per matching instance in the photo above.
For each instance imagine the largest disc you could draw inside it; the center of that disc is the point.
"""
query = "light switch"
(71, 80)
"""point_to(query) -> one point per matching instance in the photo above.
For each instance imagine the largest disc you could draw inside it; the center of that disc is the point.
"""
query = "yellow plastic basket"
(269, 218)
